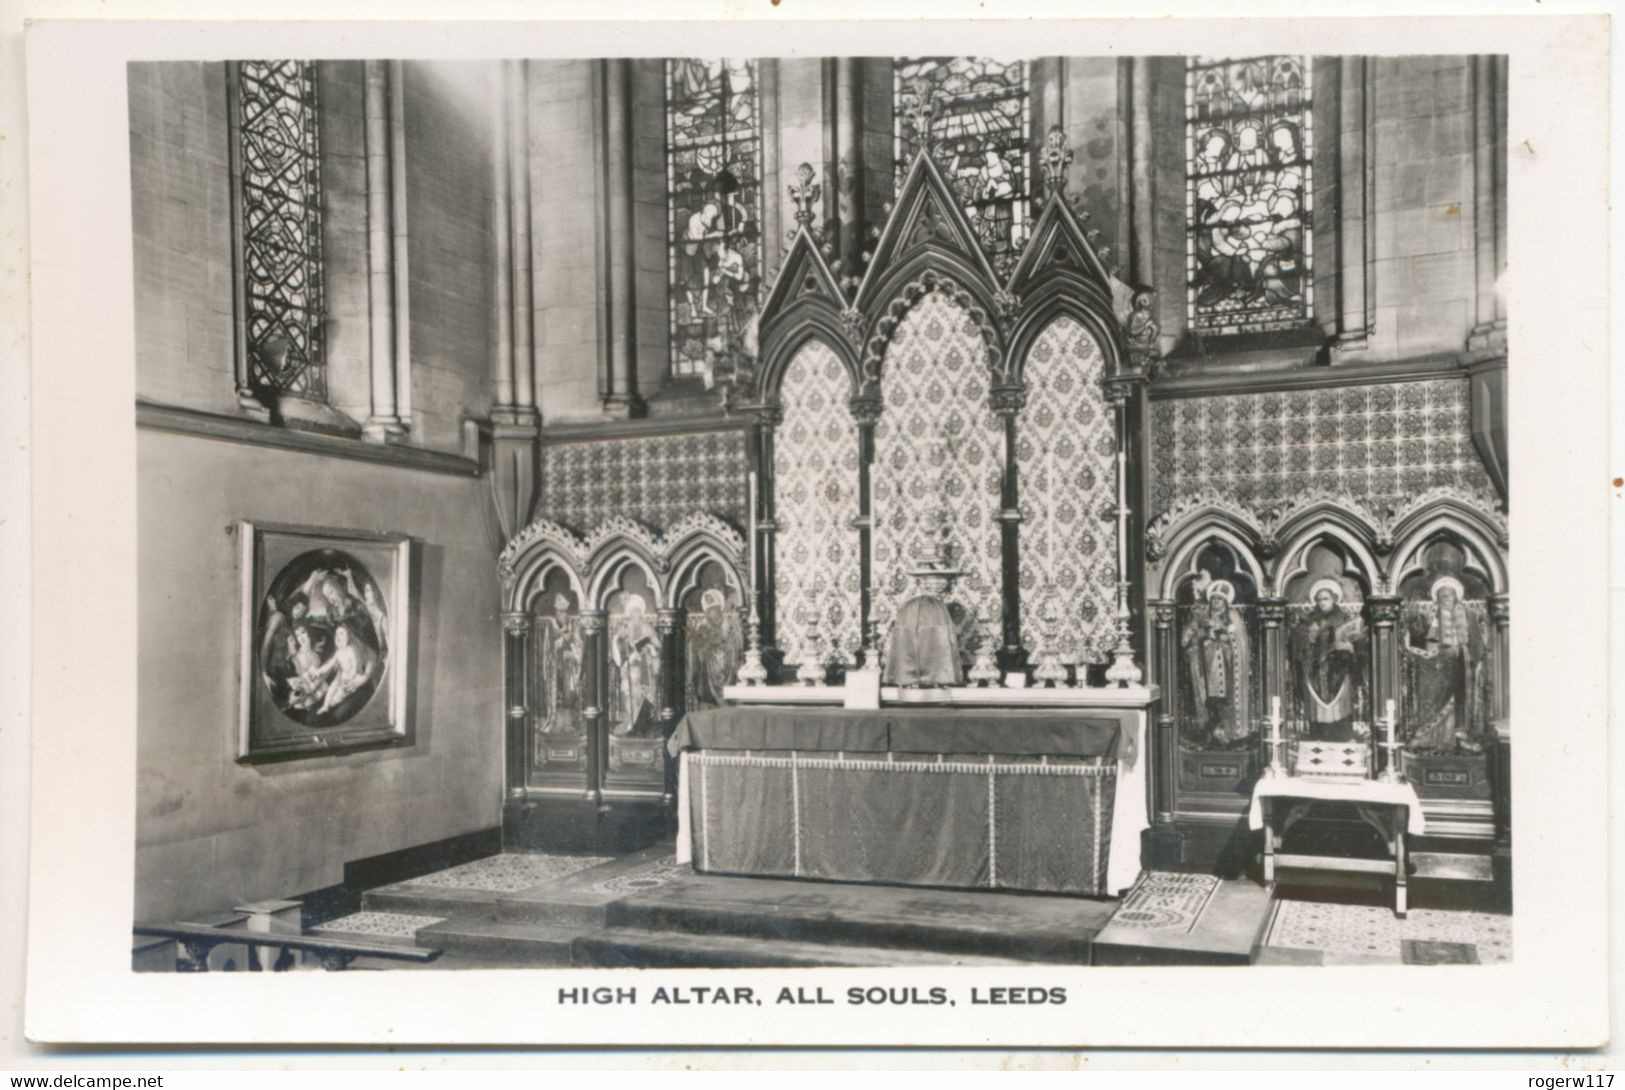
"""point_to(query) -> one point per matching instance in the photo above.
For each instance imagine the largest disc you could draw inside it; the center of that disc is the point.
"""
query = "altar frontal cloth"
(911, 796)
(959, 821)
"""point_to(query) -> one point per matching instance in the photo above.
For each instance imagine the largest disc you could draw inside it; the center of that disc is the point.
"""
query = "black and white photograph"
(1062, 498)
(1039, 512)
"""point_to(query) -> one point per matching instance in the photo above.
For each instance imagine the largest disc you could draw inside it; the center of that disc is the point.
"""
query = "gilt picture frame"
(327, 634)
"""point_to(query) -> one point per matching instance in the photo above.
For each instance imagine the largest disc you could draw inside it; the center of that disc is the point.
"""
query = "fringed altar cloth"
(1035, 815)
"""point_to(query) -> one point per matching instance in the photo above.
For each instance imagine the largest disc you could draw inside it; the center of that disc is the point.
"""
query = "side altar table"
(959, 793)
(1393, 809)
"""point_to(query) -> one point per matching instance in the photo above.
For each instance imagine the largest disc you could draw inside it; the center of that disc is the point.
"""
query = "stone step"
(1007, 926)
(1452, 867)
(510, 943)
(501, 941)
(629, 948)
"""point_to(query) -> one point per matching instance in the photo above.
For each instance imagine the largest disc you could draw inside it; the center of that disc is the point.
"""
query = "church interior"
(821, 511)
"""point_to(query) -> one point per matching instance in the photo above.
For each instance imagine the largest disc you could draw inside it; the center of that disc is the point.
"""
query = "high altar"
(947, 458)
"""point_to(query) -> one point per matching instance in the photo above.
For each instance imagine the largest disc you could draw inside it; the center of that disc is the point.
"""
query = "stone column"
(1382, 612)
(1355, 136)
(1488, 337)
(516, 700)
(849, 158)
(1501, 661)
(1007, 404)
(621, 398)
(1272, 616)
(502, 244)
(866, 413)
(1164, 661)
(1144, 253)
(383, 420)
(592, 700)
(767, 602)
(670, 623)
(517, 93)
(514, 422)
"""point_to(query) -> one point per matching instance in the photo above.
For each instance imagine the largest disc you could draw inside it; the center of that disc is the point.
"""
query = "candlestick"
(1389, 772)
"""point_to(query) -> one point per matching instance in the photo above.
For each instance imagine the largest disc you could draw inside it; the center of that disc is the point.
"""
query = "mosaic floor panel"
(509, 872)
(396, 925)
(652, 875)
(1430, 936)
(1162, 901)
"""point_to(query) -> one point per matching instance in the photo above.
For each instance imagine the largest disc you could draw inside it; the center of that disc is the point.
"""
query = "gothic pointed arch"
(540, 547)
(927, 246)
(805, 303)
(1060, 273)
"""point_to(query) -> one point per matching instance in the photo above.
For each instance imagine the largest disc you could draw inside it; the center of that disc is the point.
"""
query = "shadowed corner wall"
(211, 832)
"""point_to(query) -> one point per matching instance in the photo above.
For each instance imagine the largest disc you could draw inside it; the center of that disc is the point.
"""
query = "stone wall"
(212, 833)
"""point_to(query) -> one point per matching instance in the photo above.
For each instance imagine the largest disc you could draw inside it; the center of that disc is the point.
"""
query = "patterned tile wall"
(1381, 443)
(1066, 454)
(653, 479)
(815, 455)
(938, 447)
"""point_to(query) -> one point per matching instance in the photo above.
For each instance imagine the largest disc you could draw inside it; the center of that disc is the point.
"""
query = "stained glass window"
(281, 226)
(713, 182)
(1248, 193)
(979, 122)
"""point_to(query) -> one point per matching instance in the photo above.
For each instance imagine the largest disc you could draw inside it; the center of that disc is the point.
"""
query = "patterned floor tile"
(400, 925)
(652, 875)
(1164, 901)
(509, 872)
(1376, 932)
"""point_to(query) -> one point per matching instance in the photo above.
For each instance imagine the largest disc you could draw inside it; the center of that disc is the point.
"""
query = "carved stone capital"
(668, 619)
(1008, 400)
(770, 416)
(592, 621)
(1272, 611)
(1162, 613)
(516, 624)
(866, 409)
(1500, 610)
(1384, 610)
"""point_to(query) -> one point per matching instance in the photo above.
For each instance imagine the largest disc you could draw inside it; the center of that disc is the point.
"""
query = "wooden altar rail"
(197, 940)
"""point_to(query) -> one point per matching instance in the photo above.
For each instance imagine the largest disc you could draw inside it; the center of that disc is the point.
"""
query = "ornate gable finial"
(805, 193)
(920, 108)
(1055, 158)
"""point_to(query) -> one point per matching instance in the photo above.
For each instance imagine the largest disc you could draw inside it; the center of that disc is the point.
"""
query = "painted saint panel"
(1220, 700)
(1328, 649)
(632, 676)
(714, 643)
(1066, 452)
(1446, 695)
(558, 674)
(815, 464)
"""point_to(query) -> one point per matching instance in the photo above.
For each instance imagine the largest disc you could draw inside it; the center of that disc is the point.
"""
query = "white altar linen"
(1311, 790)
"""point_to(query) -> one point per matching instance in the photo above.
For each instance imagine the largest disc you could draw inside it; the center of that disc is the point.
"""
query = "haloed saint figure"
(1326, 650)
(1218, 656)
(324, 640)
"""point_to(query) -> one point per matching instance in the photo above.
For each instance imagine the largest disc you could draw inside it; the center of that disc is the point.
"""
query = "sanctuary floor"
(644, 910)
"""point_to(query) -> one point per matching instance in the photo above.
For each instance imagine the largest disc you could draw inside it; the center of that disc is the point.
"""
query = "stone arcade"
(794, 512)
